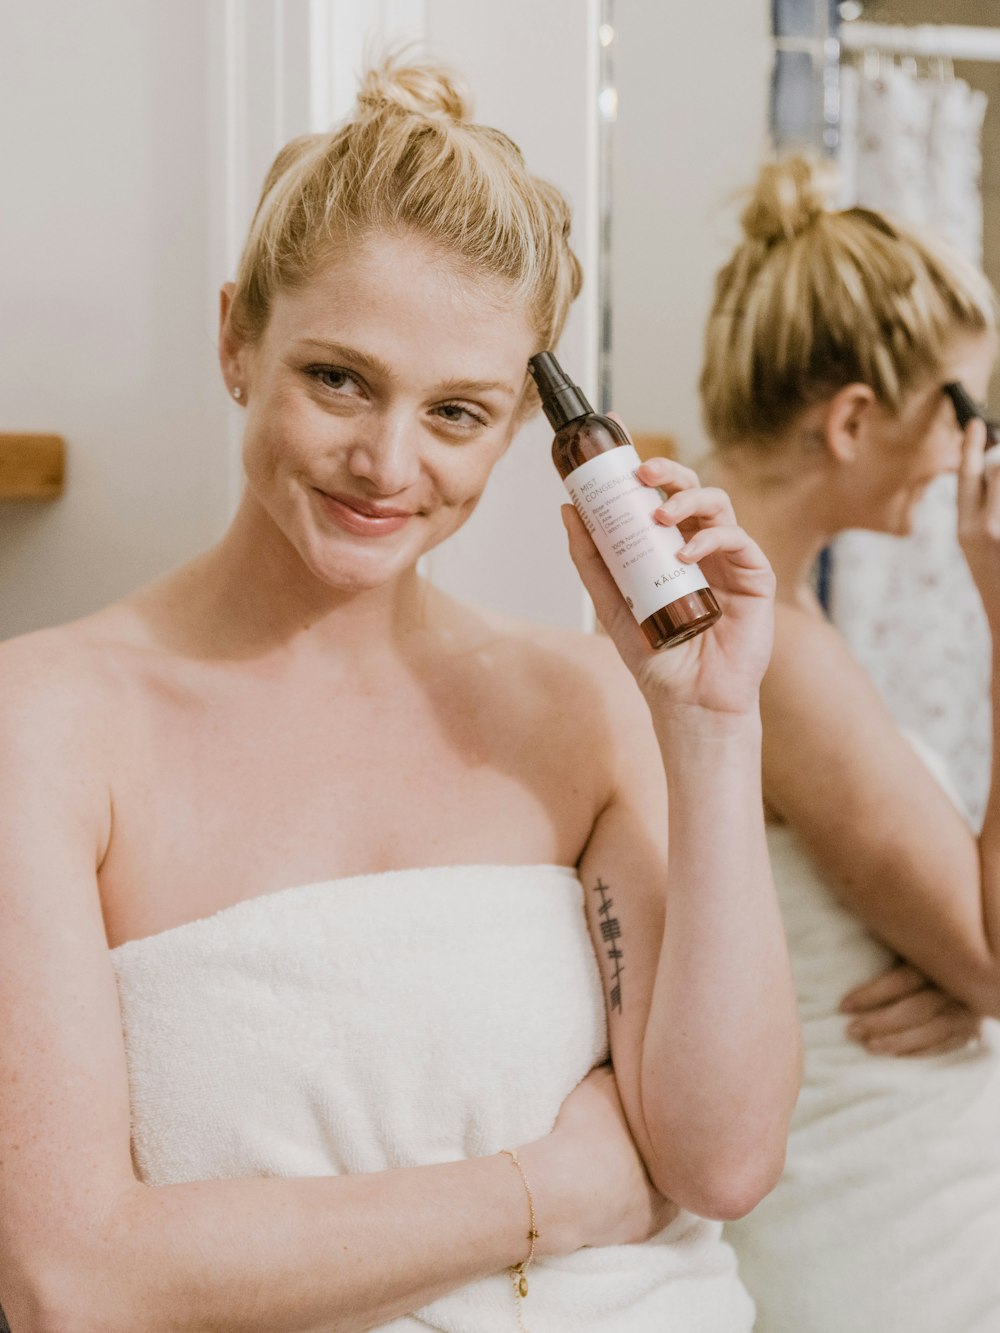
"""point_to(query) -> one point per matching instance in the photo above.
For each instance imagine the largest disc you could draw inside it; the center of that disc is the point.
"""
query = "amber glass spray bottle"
(670, 600)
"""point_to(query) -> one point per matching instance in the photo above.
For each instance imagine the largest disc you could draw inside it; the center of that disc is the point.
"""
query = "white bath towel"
(887, 1217)
(383, 1021)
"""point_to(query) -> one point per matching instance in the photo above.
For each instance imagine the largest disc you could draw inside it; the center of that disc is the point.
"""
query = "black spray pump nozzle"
(966, 409)
(562, 400)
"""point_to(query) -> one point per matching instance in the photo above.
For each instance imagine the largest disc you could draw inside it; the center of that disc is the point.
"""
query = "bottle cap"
(562, 400)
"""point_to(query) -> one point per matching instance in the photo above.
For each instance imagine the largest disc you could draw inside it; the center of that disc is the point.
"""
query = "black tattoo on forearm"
(611, 933)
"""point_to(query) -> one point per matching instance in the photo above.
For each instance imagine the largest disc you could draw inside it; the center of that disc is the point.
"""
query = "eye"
(335, 379)
(461, 416)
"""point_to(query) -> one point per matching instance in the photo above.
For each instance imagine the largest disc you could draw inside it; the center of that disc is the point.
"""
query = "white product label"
(641, 554)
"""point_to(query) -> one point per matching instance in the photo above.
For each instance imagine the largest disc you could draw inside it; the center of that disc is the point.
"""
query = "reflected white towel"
(887, 1217)
(391, 1020)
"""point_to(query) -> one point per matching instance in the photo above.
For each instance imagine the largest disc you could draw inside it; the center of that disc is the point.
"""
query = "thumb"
(611, 607)
(586, 556)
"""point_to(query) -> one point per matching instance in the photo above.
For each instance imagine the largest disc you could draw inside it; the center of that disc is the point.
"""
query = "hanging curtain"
(908, 607)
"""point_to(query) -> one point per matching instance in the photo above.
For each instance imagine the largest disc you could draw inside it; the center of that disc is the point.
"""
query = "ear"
(233, 353)
(846, 420)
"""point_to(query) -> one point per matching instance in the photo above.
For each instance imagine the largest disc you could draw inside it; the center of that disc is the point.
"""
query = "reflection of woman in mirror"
(830, 340)
(298, 855)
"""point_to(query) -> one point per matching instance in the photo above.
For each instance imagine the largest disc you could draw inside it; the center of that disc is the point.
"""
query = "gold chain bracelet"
(518, 1272)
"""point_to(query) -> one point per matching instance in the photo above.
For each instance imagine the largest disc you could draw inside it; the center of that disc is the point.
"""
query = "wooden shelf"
(32, 467)
(650, 445)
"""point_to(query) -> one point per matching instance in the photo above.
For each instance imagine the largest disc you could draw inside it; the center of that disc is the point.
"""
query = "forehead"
(410, 305)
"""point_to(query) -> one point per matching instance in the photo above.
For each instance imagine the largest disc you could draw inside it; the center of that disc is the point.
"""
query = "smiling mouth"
(362, 517)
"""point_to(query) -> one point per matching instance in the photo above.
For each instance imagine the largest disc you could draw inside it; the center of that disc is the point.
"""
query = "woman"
(830, 341)
(295, 847)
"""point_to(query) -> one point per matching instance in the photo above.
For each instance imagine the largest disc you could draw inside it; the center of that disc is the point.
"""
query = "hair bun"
(788, 198)
(418, 88)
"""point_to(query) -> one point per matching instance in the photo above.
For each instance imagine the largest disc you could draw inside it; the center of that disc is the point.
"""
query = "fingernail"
(685, 553)
(877, 1044)
(855, 1029)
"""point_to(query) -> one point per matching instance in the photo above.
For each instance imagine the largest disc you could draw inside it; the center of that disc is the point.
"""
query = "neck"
(785, 509)
(252, 596)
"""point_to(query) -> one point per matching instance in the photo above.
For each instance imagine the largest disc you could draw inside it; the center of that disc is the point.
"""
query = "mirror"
(695, 102)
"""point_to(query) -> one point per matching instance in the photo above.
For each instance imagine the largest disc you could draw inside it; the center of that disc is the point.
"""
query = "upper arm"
(889, 839)
(64, 1117)
(623, 871)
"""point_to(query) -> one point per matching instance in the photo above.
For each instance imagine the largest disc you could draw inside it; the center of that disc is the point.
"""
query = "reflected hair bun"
(788, 198)
(417, 88)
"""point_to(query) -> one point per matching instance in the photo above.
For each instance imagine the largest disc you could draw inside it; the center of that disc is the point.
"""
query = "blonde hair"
(814, 299)
(410, 159)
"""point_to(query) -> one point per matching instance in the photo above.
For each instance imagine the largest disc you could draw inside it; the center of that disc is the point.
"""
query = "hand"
(610, 1198)
(902, 1012)
(721, 669)
(979, 517)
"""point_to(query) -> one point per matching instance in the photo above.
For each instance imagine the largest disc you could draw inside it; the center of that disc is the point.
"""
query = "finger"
(708, 504)
(667, 474)
(732, 541)
(613, 416)
(911, 1012)
(610, 606)
(928, 1037)
(991, 480)
(584, 553)
(901, 979)
(970, 472)
(943, 1047)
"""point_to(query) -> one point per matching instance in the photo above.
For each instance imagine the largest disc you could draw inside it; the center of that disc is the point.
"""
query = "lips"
(363, 517)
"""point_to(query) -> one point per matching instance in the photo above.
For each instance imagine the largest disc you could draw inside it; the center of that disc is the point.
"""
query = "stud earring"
(237, 392)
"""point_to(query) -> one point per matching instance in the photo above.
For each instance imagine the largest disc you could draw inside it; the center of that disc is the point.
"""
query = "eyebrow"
(366, 361)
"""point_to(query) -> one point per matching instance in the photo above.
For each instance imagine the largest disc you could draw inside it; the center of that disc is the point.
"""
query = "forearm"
(989, 840)
(300, 1256)
(720, 1060)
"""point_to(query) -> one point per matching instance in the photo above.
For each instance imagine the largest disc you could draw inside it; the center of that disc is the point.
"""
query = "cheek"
(273, 442)
(259, 455)
(461, 475)
(944, 452)
(470, 481)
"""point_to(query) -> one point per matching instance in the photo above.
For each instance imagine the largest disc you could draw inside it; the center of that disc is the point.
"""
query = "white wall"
(105, 323)
(533, 67)
(133, 136)
(693, 86)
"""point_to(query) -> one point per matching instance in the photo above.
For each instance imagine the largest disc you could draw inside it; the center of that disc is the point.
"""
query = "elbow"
(52, 1303)
(69, 1280)
(34, 1303)
(979, 988)
(986, 1002)
(726, 1187)
(738, 1193)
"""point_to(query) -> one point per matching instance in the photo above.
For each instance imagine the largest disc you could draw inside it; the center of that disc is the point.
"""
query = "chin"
(359, 575)
(347, 568)
(900, 525)
(899, 519)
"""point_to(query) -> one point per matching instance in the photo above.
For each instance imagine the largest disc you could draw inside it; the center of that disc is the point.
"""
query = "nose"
(387, 455)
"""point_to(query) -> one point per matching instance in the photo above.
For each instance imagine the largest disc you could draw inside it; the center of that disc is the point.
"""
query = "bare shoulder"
(825, 725)
(570, 692)
(62, 683)
(812, 662)
(581, 671)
